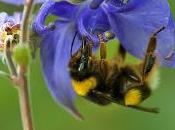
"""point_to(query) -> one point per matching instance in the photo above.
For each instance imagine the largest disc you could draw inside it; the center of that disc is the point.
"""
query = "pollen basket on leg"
(83, 87)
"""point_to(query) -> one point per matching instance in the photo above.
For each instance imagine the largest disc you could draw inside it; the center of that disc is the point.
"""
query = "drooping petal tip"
(55, 51)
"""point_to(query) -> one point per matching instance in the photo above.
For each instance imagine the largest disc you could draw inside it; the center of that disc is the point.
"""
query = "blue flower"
(20, 2)
(132, 21)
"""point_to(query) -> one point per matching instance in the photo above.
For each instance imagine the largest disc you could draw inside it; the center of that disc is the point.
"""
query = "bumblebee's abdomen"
(83, 87)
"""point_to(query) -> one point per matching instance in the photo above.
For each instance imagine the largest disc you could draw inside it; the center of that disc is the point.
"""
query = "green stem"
(8, 58)
(25, 22)
(25, 102)
(23, 80)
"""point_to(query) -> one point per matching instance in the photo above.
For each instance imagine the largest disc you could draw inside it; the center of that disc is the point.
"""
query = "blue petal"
(167, 41)
(55, 55)
(20, 2)
(64, 10)
(3, 17)
(55, 52)
(14, 19)
(96, 3)
(91, 22)
(136, 21)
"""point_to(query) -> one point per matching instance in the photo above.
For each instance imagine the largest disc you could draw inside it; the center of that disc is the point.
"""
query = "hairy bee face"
(78, 66)
(83, 76)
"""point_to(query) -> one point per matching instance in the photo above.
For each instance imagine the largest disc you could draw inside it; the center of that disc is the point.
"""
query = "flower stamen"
(9, 31)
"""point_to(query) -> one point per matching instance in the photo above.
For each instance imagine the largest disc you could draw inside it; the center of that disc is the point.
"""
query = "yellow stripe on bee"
(133, 97)
(83, 87)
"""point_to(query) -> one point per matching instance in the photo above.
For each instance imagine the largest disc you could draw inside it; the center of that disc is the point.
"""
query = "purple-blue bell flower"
(133, 22)
(56, 45)
(20, 2)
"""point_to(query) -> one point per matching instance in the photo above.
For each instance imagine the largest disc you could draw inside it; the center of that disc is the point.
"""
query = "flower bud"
(21, 54)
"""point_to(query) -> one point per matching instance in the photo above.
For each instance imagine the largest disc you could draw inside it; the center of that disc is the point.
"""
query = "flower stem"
(10, 63)
(25, 22)
(22, 73)
(24, 101)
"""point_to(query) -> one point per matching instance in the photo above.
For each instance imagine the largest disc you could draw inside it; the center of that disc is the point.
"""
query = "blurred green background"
(48, 115)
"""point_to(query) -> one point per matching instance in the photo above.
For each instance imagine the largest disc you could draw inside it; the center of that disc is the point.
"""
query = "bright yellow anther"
(3, 35)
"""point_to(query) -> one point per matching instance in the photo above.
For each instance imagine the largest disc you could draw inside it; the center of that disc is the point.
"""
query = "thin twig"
(4, 75)
(23, 81)
(25, 22)
(24, 100)
(9, 61)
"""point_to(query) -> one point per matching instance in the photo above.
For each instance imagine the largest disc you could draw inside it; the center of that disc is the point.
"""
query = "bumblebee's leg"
(99, 97)
(150, 58)
(121, 54)
(89, 47)
(108, 97)
(103, 54)
(145, 109)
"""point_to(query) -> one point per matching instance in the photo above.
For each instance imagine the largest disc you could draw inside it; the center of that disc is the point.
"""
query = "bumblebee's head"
(84, 56)
(79, 61)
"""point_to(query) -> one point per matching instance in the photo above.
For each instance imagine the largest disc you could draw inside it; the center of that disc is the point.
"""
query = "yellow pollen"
(15, 32)
(132, 97)
(3, 35)
(83, 87)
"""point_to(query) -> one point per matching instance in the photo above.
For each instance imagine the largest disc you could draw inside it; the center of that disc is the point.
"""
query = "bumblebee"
(105, 81)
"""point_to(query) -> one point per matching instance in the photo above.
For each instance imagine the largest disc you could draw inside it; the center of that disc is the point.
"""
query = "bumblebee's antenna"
(73, 42)
(161, 29)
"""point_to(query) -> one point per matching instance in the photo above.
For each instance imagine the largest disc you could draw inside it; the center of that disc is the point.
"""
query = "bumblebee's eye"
(132, 97)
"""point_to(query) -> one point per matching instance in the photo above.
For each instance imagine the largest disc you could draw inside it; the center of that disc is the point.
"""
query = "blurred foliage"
(50, 116)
